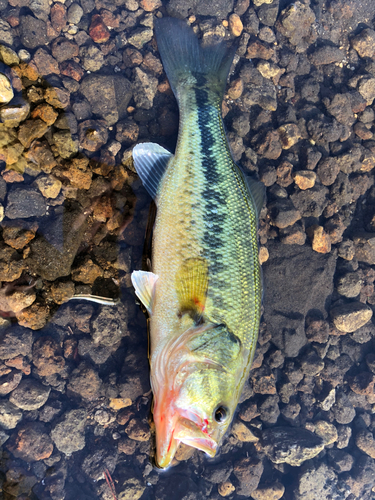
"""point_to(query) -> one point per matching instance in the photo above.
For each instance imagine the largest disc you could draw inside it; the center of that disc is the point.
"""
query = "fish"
(204, 291)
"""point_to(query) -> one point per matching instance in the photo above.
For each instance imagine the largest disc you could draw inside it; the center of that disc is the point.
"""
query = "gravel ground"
(80, 83)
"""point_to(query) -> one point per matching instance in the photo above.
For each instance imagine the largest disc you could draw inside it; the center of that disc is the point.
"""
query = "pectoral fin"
(151, 161)
(144, 285)
(191, 286)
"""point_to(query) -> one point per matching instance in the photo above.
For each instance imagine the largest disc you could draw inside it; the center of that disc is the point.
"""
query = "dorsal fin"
(257, 192)
(151, 162)
(144, 285)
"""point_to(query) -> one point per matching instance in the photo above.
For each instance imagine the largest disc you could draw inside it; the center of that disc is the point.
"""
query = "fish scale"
(203, 332)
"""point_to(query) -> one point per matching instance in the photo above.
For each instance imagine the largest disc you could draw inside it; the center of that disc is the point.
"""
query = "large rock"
(290, 445)
(297, 281)
(108, 96)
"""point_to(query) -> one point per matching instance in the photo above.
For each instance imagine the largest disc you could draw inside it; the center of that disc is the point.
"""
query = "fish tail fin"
(187, 63)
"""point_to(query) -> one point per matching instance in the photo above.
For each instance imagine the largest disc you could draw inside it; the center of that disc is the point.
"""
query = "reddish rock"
(31, 443)
(150, 5)
(72, 70)
(46, 357)
(20, 363)
(109, 19)
(98, 30)
(58, 16)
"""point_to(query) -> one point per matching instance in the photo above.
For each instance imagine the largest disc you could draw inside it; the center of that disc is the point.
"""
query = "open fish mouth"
(187, 432)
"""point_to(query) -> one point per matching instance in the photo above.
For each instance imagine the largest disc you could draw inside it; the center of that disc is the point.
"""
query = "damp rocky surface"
(81, 82)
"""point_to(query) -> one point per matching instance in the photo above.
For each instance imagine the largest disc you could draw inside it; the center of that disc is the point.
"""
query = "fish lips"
(170, 433)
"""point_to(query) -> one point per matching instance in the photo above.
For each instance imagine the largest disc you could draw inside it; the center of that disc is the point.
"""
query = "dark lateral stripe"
(214, 200)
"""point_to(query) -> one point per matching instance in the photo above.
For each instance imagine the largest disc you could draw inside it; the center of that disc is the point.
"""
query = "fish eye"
(221, 414)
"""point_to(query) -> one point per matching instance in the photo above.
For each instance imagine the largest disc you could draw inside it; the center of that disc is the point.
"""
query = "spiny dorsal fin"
(151, 162)
(144, 285)
(257, 192)
(191, 286)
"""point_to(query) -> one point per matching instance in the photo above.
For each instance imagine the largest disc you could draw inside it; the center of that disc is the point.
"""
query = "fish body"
(204, 292)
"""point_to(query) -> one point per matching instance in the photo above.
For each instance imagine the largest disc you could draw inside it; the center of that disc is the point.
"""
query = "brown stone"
(88, 272)
(58, 16)
(72, 70)
(284, 174)
(30, 130)
(17, 237)
(236, 89)
(305, 179)
(46, 357)
(31, 443)
(127, 446)
(98, 30)
(363, 383)
(258, 50)
(46, 113)
(225, 488)
(320, 240)
(57, 97)
(150, 5)
(45, 63)
(289, 135)
(362, 131)
(34, 317)
(137, 430)
(235, 25)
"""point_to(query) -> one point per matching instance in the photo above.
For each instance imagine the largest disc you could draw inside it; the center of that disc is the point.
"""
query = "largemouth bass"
(204, 292)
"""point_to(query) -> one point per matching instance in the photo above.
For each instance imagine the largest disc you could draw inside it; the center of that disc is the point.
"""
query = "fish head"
(198, 406)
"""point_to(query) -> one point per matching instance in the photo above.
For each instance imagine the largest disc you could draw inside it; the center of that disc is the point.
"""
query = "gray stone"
(107, 328)
(53, 258)
(320, 482)
(75, 13)
(144, 88)
(25, 202)
(33, 32)
(290, 445)
(40, 8)
(15, 341)
(296, 281)
(10, 415)
(30, 395)
(349, 285)
(69, 434)
(6, 35)
(351, 316)
(311, 202)
(108, 96)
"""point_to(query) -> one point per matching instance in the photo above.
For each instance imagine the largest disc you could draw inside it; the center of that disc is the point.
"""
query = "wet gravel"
(80, 83)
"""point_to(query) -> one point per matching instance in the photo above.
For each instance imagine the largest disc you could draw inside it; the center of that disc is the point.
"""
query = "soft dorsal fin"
(151, 162)
(191, 287)
(257, 192)
(144, 285)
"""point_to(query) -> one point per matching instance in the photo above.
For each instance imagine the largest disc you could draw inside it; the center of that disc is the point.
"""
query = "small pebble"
(225, 488)
(320, 240)
(235, 25)
(305, 179)
(349, 317)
